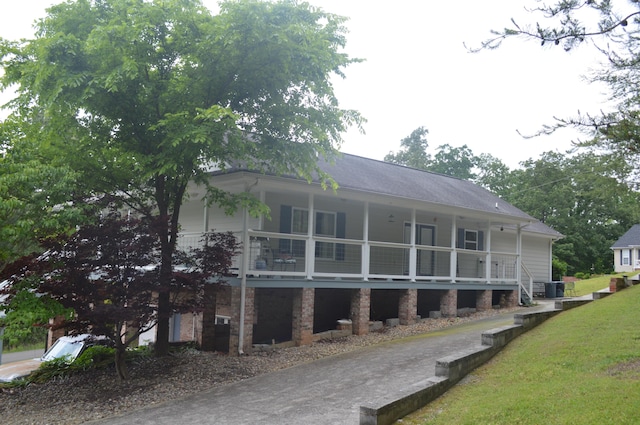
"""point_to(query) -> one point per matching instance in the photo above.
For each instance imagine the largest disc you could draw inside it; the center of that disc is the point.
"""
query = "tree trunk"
(121, 364)
(161, 347)
(168, 237)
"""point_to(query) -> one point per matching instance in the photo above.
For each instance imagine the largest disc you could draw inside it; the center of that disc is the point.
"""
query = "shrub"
(559, 269)
(94, 357)
(50, 369)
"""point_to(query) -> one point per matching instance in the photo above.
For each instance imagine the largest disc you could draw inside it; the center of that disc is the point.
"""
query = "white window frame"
(324, 250)
(626, 257)
(470, 244)
(304, 222)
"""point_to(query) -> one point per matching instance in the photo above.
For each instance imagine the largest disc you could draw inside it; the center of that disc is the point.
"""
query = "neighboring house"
(391, 243)
(626, 251)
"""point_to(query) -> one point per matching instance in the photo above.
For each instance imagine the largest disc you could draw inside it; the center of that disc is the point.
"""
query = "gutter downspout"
(243, 280)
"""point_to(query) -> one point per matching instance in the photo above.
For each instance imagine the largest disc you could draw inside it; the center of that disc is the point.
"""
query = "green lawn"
(588, 286)
(580, 367)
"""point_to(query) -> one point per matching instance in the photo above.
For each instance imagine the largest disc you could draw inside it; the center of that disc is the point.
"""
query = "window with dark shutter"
(470, 239)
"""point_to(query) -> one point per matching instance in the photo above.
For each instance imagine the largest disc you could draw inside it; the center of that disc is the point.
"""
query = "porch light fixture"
(392, 219)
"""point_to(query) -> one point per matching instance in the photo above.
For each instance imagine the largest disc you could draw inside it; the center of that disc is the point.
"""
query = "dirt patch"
(626, 370)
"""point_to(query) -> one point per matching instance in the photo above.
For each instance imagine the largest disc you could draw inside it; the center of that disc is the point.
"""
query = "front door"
(425, 236)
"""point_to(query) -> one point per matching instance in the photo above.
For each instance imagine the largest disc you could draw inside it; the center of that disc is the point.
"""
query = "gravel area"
(99, 394)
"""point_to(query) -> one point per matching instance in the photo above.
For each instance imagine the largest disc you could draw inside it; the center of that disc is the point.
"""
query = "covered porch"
(320, 238)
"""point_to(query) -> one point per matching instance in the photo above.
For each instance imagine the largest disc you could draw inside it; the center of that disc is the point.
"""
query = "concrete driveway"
(327, 391)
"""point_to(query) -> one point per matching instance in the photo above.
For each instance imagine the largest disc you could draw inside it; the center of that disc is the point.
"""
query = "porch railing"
(527, 291)
(293, 255)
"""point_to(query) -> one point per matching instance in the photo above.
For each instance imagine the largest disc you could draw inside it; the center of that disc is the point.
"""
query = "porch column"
(360, 310)
(263, 199)
(310, 251)
(234, 338)
(303, 300)
(449, 303)
(529, 288)
(408, 308)
(413, 251)
(453, 264)
(513, 298)
(487, 247)
(205, 222)
(484, 300)
(365, 246)
(519, 255)
(208, 335)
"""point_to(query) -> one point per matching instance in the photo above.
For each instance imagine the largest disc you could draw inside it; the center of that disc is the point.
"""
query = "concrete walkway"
(327, 391)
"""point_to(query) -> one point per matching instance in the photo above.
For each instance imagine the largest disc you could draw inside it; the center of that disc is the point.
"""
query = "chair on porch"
(284, 259)
(570, 289)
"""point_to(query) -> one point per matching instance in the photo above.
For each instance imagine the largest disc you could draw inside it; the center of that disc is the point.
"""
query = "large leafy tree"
(452, 161)
(455, 161)
(413, 150)
(34, 197)
(143, 97)
(492, 173)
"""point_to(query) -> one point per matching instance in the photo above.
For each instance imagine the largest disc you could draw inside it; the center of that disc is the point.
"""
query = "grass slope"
(580, 367)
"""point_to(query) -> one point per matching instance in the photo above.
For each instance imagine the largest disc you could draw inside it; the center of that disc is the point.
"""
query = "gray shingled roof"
(378, 177)
(631, 238)
(364, 174)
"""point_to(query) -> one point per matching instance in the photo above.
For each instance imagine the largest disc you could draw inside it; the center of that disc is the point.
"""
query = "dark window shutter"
(480, 241)
(341, 229)
(460, 243)
(620, 257)
(285, 227)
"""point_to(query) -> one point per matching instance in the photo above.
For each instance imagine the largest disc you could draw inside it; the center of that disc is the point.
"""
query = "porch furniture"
(570, 289)
(284, 259)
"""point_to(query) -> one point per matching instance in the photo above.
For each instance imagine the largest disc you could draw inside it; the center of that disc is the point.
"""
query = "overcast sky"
(417, 72)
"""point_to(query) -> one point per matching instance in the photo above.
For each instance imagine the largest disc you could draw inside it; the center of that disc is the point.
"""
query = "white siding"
(618, 265)
(503, 241)
(536, 256)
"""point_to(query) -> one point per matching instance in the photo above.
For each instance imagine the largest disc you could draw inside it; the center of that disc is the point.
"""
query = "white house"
(391, 242)
(626, 251)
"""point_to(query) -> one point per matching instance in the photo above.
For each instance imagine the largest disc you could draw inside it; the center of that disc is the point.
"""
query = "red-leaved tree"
(108, 275)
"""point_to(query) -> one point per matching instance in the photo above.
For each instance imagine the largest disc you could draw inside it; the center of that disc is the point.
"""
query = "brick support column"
(449, 303)
(54, 334)
(208, 335)
(408, 308)
(360, 310)
(303, 303)
(484, 300)
(234, 338)
(512, 299)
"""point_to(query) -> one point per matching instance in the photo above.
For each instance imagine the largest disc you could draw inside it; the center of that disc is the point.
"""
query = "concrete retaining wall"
(421, 394)
(451, 369)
